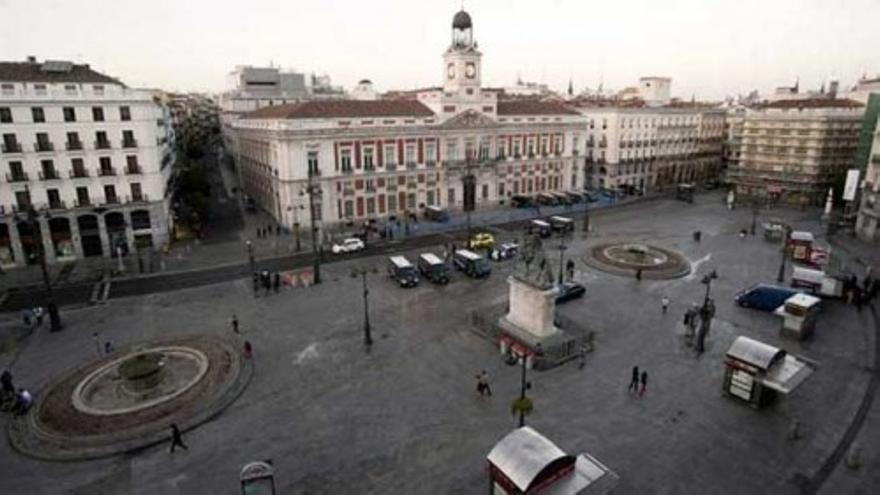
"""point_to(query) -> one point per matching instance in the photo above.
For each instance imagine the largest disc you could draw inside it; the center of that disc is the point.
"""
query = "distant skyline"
(710, 48)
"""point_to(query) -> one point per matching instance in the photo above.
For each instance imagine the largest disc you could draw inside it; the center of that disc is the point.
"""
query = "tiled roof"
(533, 107)
(35, 72)
(343, 108)
(812, 103)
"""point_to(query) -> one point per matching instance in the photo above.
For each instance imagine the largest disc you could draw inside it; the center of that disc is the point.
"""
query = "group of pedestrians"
(103, 347)
(33, 317)
(861, 294)
(268, 281)
(17, 401)
(638, 382)
(268, 230)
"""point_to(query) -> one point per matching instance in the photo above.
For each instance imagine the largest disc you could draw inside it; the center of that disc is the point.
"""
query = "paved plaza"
(405, 416)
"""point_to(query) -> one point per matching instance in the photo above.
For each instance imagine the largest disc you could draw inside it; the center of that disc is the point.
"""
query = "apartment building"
(370, 159)
(868, 221)
(795, 150)
(89, 156)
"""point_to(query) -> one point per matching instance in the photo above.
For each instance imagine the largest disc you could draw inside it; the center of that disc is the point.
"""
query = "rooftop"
(52, 71)
(343, 108)
(534, 107)
(811, 103)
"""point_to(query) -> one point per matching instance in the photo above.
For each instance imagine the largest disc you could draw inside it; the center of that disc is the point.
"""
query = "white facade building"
(373, 159)
(868, 221)
(655, 91)
(92, 156)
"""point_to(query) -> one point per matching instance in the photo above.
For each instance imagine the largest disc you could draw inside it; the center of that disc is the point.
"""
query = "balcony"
(82, 203)
(102, 145)
(11, 148)
(57, 205)
(348, 192)
(111, 200)
(411, 165)
(133, 170)
(431, 164)
(347, 170)
(74, 146)
(17, 177)
(315, 172)
(78, 174)
(411, 185)
(390, 166)
(369, 168)
(129, 143)
(43, 147)
(49, 175)
(137, 198)
(107, 172)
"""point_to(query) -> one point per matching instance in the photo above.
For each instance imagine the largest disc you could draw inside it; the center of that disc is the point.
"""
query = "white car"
(349, 245)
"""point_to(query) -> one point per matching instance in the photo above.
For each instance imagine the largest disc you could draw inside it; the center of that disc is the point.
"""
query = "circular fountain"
(626, 258)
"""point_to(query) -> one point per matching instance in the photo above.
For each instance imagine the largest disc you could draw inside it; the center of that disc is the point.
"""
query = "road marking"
(310, 352)
(696, 266)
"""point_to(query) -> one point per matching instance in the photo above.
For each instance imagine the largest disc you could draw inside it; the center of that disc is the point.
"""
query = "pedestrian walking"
(276, 282)
(634, 381)
(256, 282)
(108, 347)
(38, 315)
(483, 383)
(248, 349)
(176, 438)
(858, 298)
(644, 383)
(26, 317)
(639, 274)
(235, 323)
(664, 303)
(98, 347)
(570, 267)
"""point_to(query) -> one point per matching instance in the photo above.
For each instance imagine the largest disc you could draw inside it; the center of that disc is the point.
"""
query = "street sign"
(852, 183)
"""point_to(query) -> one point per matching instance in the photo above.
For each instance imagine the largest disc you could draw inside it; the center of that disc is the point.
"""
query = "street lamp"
(707, 280)
(362, 272)
(313, 189)
(586, 216)
(54, 316)
(250, 250)
(754, 219)
(523, 405)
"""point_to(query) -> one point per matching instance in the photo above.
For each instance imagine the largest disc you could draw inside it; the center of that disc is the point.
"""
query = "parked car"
(349, 245)
(561, 224)
(764, 297)
(402, 271)
(482, 240)
(540, 227)
(436, 214)
(471, 263)
(568, 291)
(433, 268)
(505, 251)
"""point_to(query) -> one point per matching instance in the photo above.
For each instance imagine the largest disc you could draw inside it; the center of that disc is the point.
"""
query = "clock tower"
(461, 62)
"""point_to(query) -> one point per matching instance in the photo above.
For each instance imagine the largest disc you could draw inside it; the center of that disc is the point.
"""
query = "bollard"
(854, 457)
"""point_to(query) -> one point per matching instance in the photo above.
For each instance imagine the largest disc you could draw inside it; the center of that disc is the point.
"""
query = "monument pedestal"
(529, 322)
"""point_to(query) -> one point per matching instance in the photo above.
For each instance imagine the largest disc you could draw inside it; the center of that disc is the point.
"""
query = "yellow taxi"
(483, 240)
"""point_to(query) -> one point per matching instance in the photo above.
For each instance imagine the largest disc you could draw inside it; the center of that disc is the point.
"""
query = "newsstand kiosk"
(755, 372)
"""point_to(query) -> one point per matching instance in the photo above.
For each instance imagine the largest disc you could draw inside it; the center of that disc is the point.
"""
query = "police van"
(562, 224)
(471, 263)
(539, 227)
(433, 268)
(402, 271)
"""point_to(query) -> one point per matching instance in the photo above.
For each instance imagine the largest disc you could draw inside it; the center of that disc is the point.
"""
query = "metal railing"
(129, 143)
(78, 174)
(11, 148)
(133, 170)
(139, 198)
(102, 145)
(107, 171)
(49, 175)
(17, 177)
(74, 145)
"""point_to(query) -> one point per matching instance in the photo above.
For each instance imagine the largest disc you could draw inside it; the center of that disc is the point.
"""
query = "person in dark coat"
(634, 382)
(176, 438)
(644, 383)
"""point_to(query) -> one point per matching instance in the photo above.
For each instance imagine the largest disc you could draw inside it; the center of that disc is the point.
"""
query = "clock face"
(450, 71)
(470, 70)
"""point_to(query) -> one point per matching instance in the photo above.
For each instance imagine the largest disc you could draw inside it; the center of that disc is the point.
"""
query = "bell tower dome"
(461, 62)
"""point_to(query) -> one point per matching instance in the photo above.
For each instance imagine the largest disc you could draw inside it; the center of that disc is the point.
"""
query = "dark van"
(540, 227)
(436, 214)
(765, 297)
(471, 263)
(562, 224)
(433, 268)
(402, 271)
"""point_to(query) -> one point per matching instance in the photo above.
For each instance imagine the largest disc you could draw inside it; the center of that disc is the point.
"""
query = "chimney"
(32, 59)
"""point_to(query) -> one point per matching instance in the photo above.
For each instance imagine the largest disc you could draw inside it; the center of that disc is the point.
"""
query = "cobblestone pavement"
(405, 418)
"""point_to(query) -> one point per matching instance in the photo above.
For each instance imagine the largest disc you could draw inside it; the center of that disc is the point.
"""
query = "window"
(48, 170)
(82, 196)
(312, 161)
(128, 140)
(124, 113)
(78, 169)
(101, 141)
(431, 197)
(98, 88)
(136, 193)
(106, 165)
(371, 206)
(43, 143)
(97, 114)
(449, 108)
(131, 164)
(23, 199)
(430, 153)
(500, 189)
(411, 201)
(69, 114)
(70, 89)
(345, 159)
(349, 209)
(7, 89)
(5, 115)
(390, 155)
(451, 150)
(53, 198)
(38, 114)
(110, 194)
(73, 142)
(16, 171)
(368, 159)
(40, 89)
(485, 192)
(392, 202)
(410, 154)
(450, 196)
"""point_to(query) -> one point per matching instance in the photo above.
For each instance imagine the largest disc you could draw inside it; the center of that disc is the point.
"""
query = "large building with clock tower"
(367, 161)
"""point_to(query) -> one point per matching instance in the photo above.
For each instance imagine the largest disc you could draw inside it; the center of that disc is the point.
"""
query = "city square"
(402, 416)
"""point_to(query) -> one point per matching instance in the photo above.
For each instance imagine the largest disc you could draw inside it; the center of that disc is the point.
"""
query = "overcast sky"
(709, 47)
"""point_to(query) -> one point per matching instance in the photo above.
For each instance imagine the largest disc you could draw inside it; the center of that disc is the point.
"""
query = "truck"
(817, 282)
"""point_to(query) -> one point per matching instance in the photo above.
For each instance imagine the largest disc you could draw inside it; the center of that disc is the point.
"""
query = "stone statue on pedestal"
(532, 267)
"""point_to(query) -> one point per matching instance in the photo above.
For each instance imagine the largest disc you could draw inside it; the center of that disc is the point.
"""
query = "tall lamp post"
(54, 316)
(707, 281)
(312, 189)
(754, 219)
(250, 251)
(523, 405)
(362, 272)
(586, 216)
(780, 277)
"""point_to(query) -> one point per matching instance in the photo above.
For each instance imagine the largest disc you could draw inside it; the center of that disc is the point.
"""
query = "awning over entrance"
(777, 369)
(788, 375)
(755, 353)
